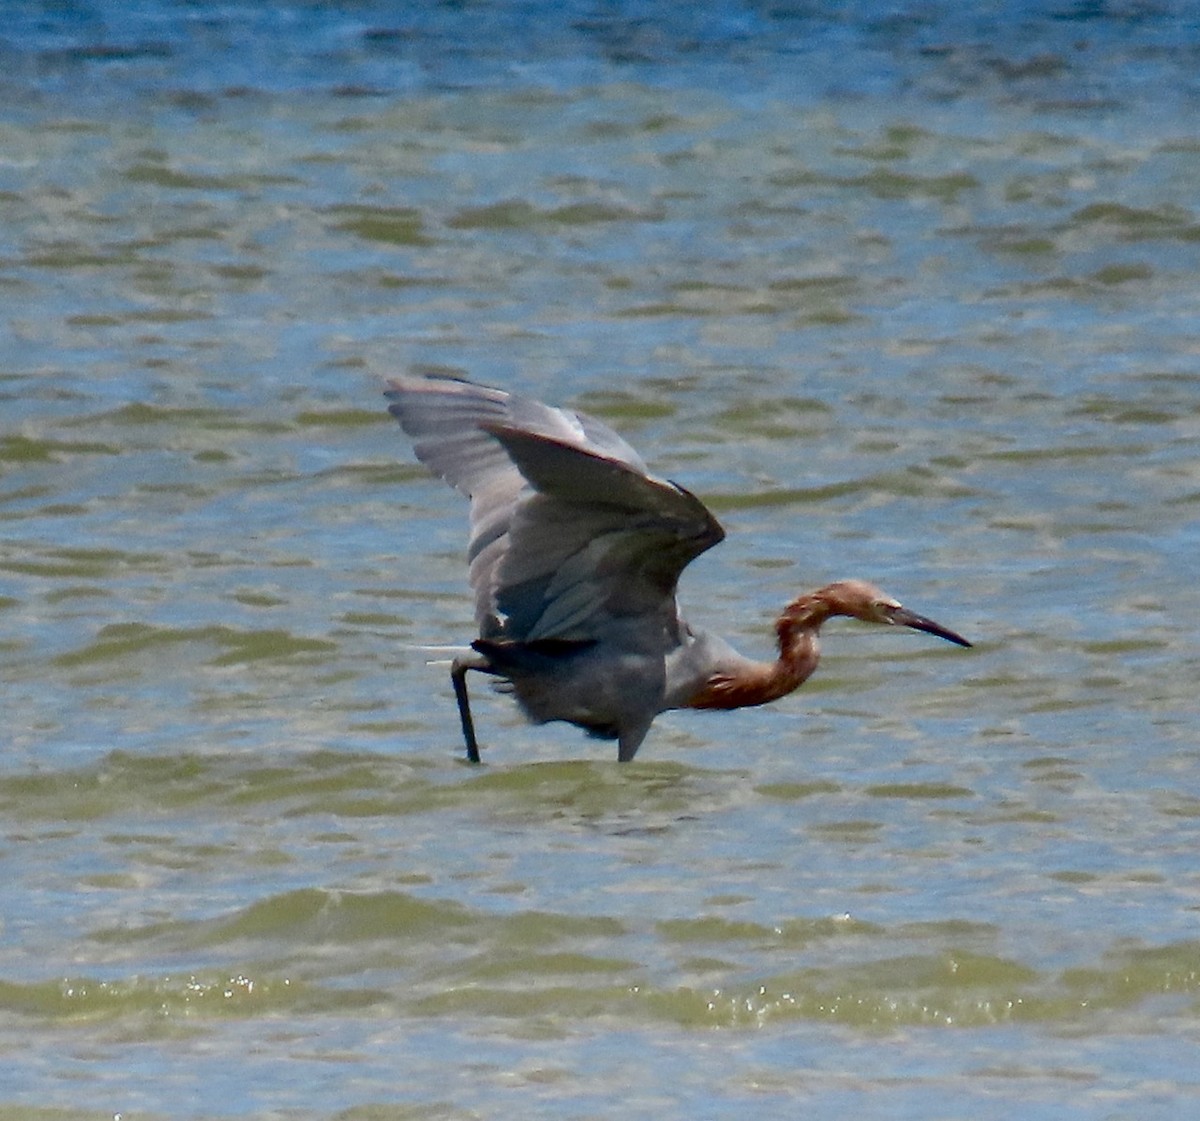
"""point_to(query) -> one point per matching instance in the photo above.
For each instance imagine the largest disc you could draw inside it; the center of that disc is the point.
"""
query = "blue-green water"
(910, 297)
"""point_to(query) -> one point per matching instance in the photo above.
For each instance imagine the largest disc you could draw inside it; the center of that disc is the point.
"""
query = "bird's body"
(575, 553)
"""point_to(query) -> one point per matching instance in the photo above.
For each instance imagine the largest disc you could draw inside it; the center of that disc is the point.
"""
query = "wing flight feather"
(569, 531)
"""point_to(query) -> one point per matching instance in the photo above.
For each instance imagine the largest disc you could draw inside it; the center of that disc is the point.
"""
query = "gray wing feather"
(568, 529)
(447, 420)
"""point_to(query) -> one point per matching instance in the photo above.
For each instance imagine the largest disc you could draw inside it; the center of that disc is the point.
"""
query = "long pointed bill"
(902, 617)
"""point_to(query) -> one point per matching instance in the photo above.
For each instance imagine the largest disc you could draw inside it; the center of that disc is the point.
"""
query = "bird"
(574, 555)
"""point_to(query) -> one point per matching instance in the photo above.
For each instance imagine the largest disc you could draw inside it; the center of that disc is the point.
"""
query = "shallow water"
(910, 298)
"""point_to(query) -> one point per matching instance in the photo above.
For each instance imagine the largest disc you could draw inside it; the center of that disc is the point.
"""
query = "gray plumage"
(575, 552)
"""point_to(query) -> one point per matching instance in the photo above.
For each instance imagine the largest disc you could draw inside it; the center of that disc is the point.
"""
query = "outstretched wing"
(446, 418)
(596, 542)
(568, 528)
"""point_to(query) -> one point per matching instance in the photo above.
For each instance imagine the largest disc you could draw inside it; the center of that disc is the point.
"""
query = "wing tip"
(422, 377)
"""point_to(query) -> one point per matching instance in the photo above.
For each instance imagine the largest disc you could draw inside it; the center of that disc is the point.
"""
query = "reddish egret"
(575, 552)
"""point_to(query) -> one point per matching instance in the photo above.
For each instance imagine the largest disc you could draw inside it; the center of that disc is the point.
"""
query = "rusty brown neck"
(797, 630)
(761, 682)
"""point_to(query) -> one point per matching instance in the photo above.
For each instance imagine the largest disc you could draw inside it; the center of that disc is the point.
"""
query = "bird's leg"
(630, 739)
(458, 676)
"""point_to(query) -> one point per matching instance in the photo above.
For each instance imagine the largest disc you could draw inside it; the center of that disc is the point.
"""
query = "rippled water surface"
(911, 297)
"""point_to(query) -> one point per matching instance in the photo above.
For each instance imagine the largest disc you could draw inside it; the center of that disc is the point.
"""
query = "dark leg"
(458, 675)
(630, 739)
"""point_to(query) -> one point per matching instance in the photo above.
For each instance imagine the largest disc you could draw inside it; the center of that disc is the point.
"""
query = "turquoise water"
(910, 298)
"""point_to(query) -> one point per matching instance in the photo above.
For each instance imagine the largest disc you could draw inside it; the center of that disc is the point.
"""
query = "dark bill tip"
(905, 618)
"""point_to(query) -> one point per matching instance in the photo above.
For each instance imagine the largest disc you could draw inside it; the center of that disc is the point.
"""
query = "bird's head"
(860, 600)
